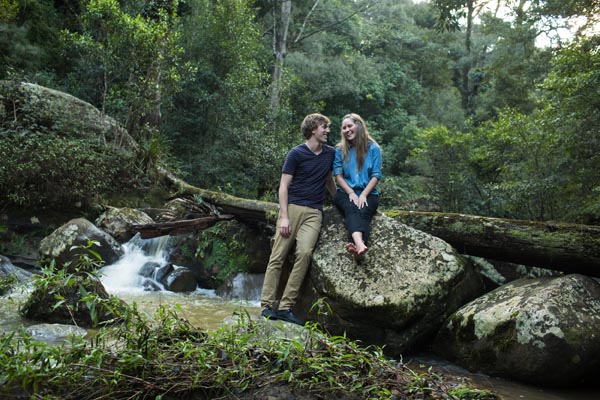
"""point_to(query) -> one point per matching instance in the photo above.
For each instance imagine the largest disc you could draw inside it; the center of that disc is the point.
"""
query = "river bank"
(205, 310)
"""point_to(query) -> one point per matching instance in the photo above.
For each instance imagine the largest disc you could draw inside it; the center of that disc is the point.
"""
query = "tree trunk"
(279, 50)
(570, 248)
(559, 246)
(467, 96)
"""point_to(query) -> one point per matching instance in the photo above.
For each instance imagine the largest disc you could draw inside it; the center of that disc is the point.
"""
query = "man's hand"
(284, 227)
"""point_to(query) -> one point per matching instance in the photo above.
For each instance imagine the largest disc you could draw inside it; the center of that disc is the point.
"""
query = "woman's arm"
(346, 188)
(373, 164)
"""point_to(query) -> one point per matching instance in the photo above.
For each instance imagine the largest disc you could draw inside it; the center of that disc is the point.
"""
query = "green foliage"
(513, 68)
(513, 164)
(78, 297)
(154, 153)
(28, 37)
(128, 60)
(193, 79)
(407, 192)
(11, 243)
(163, 356)
(7, 283)
(465, 393)
(521, 163)
(42, 170)
(445, 157)
(222, 252)
(8, 10)
(219, 121)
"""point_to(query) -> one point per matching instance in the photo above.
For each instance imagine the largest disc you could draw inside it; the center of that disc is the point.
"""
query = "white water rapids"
(124, 275)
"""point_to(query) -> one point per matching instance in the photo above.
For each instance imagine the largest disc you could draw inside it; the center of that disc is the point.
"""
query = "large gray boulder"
(66, 244)
(118, 222)
(538, 330)
(59, 111)
(397, 296)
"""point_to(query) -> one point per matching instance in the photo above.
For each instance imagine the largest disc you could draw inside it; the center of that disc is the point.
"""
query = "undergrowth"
(162, 356)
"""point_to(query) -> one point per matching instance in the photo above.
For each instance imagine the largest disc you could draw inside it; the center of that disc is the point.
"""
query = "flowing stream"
(204, 309)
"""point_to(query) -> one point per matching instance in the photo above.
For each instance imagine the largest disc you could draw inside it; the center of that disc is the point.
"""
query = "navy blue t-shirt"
(309, 172)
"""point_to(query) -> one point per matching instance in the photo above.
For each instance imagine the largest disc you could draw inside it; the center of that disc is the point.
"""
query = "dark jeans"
(357, 220)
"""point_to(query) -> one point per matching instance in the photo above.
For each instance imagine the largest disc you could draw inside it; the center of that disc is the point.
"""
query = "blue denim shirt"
(358, 180)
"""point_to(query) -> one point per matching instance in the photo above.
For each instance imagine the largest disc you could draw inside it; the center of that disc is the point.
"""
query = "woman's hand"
(353, 199)
(362, 201)
(358, 201)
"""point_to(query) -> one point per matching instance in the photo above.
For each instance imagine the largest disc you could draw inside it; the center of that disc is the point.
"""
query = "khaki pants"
(305, 223)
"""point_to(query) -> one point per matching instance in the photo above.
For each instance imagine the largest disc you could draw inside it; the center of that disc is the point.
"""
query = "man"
(306, 172)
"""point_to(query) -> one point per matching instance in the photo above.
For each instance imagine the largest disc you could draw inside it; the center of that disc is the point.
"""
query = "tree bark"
(570, 248)
(148, 231)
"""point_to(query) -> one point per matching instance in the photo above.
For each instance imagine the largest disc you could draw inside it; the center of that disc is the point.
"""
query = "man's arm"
(284, 184)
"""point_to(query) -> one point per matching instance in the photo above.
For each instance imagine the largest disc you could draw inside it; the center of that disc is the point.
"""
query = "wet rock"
(242, 287)
(148, 269)
(180, 279)
(118, 222)
(163, 272)
(64, 245)
(538, 330)
(8, 269)
(150, 286)
(55, 332)
(79, 299)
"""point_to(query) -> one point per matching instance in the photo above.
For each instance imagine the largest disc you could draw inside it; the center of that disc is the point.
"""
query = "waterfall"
(126, 275)
(243, 287)
(145, 263)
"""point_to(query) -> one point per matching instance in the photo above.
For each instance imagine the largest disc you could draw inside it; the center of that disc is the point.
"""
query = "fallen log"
(245, 209)
(157, 229)
(570, 248)
(560, 246)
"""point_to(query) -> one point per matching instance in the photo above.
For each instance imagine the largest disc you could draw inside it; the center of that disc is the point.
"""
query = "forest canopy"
(482, 107)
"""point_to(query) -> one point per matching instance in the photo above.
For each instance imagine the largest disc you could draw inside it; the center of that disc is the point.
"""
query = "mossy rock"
(76, 299)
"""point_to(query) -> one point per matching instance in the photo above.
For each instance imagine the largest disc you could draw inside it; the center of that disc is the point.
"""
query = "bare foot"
(360, 248)
(351, 248)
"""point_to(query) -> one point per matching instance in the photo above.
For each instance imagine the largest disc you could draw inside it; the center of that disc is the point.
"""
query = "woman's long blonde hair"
(361, 143)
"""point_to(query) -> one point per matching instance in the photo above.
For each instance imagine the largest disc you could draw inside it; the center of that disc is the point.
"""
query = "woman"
(357, 170)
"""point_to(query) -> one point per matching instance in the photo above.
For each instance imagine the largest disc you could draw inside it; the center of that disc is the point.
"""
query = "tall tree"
(472, 16)
(220, 122)
(450, 13)
(281, 25)
(572, 110)
(134, 58)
